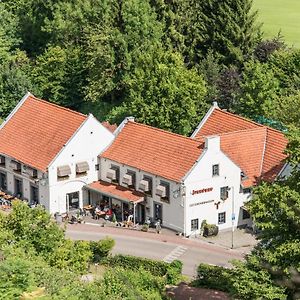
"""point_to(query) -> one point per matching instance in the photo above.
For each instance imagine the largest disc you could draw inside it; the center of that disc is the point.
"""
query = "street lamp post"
(232, 217)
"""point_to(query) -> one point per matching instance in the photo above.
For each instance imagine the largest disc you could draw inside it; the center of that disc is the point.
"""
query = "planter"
(210, 230)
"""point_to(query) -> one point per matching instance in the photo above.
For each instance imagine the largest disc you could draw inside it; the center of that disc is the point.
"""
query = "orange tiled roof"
(256, 148)
(110, 127)
(221, 121)
(154, 151)
(37, 132)
(116, 191)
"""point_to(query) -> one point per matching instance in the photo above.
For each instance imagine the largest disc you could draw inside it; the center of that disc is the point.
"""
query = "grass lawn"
(280, 15)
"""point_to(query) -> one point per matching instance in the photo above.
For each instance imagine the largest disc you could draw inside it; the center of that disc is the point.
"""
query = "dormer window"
(129, 179)
(114, 174)
(243, 175)
(2, 161)
(15, 166)
(30, 171)
(146, 185)
(163, 191)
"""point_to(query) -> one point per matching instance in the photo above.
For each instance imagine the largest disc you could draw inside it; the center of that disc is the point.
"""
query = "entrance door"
(157, 212)
(34, 195)
(72, 200)
(3, 181)
(18, 187)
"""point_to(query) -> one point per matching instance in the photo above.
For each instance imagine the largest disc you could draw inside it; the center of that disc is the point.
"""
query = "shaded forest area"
(162, 61)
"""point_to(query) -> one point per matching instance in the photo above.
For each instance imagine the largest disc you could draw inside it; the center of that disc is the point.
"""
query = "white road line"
(174, 254)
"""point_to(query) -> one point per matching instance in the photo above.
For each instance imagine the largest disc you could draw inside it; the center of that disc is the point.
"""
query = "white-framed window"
(194, 224)
(222, 218)
(224, 192)
(215, 170)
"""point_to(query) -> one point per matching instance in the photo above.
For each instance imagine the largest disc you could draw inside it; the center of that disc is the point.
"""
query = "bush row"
(172, 271)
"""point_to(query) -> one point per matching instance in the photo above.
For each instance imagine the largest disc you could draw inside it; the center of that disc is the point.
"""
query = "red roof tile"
(37, 132)
(154, 151)
(246, 149)
(257, 149)
(110, 127)
(116, 191)
(221, 121)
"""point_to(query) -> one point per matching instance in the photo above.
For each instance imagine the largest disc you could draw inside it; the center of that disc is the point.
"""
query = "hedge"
(213, 277)
(157, 268)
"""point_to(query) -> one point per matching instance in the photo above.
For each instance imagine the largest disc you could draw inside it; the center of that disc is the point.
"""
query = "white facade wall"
(90, 139)
(206, 205)
(172, 212)
(27, 181)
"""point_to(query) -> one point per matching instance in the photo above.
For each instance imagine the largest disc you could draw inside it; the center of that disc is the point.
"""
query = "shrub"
(156, 268)
(213, 277)
(101, 249)
(210, 229)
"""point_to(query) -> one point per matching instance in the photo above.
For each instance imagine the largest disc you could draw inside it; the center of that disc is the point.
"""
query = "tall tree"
(161, 92)
(227, 28)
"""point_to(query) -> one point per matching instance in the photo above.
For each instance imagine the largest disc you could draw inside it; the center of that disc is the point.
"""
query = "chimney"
(212, 143)
(215, 104)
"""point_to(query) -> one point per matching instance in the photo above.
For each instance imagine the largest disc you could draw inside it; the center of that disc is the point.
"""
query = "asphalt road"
(189, 252)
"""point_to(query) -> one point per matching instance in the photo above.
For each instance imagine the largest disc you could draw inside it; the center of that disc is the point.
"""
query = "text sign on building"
(195, 192)
(200, 203)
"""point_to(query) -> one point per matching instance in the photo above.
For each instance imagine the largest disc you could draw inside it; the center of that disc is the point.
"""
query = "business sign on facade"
(206, 190)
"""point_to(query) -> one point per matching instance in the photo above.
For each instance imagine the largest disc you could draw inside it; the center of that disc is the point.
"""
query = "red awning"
(116, 191)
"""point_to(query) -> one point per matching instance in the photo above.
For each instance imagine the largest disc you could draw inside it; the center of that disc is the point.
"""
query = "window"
(130, 179)
(163, 190)
(215, 170)
(146, 185)
(15, 166)
(82, 168)
(72, 201)
(97, 167)
(63, 172)
(246, 191)
(194, 224)
(2, 161)
(3, 181)
(222, 218)
(224, 192)
(116, 178)
(18, 187)
(246, 214)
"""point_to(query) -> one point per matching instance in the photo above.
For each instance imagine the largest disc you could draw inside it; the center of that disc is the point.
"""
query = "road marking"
(174, 254)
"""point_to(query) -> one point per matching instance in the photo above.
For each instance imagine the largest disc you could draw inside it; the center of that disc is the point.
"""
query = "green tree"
(258, 90)
(161, 92)
(227, 28)
(275, 209)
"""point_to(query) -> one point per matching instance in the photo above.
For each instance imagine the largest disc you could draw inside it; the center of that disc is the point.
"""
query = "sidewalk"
(241, 239)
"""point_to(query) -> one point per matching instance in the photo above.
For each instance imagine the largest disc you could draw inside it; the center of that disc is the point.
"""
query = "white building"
(185, 181)
(63, 160)
(48, 153)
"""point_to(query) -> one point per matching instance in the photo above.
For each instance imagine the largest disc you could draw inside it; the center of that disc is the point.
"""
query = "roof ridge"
(248, 120)
(239, 131)
(239, 117)
(57, 106)
(164, 131)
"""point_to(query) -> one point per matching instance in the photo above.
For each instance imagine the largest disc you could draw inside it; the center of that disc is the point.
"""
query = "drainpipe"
(134, 205)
